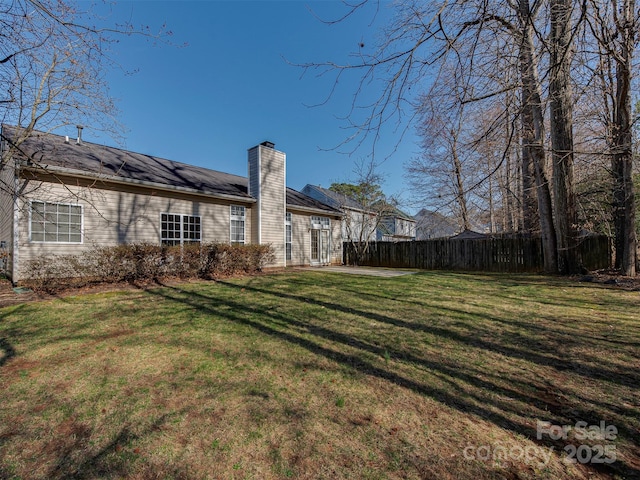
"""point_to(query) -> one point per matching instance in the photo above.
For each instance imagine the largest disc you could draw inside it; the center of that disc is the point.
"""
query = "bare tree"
(53, 60)
(498, 49)
(614, 25)
(481, 39)
(520, 24)
(561, 106)
(365, 207)
(440, 171)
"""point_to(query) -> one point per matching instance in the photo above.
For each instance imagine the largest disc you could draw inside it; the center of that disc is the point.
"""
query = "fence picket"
(494, 254)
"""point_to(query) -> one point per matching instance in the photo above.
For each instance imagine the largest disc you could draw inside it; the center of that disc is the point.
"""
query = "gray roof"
(469, 235)
(338, 200)
(432, 224)
(335, 199)
(47, 150)
(298, 199)
(393, 212)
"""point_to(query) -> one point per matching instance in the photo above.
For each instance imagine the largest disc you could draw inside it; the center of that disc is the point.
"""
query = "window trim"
(320, 223)
(44, 202)
(182, 231)
(288, 237)
(238, 218)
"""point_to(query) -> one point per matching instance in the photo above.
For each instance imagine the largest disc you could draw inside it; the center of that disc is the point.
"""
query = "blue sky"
(231, 86)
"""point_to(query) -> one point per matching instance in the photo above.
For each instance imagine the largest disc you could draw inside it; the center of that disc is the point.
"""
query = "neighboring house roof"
(393, 212)
(52, 153)
(469, 235)
(303, 202)
(339, 200)
(431, 224)
(335, 199)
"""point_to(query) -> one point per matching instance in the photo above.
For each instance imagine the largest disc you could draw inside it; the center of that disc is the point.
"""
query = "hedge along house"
(61, 196)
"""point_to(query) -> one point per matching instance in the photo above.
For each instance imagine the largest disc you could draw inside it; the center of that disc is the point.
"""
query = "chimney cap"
(268, 144)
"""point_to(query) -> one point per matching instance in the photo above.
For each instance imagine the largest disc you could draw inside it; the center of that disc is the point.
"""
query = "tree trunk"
(492, 219)
(560, 93)
(545, 207)
(622, 160)
(461, 197)
(509, 223)
(530, 216)
(533, 137)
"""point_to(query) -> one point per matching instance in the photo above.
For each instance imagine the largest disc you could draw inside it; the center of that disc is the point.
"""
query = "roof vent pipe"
(79, 140)
(66, 139)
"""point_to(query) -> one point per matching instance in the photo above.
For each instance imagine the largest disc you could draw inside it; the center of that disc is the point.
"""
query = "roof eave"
(315, 210)
(131, 181)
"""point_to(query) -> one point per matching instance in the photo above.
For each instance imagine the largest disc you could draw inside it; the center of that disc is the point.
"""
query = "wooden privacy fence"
(491, 254)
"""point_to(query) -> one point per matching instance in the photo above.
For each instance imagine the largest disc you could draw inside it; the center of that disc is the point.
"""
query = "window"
(237, 224)
(179, 229)
(288, 233)
(315, 245)
(320, 239)
(320, 222)
(191, 229)
(56, 222)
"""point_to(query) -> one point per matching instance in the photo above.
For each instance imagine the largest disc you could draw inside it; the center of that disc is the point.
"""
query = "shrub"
(143, 262)
(221, 259)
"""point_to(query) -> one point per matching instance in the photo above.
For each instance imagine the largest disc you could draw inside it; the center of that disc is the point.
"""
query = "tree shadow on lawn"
(35, 331)
(511, 345)
(476, 403)
(474, 338)
(503, 287)
(542, 346)
(511, 291)
(9, 351)
(6, 346)
(115, 460)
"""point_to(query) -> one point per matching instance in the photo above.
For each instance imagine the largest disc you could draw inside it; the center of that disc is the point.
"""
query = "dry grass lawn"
(320, 375)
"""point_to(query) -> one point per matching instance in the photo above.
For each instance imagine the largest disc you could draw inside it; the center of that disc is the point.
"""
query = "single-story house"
(61, 196)
(380, 222)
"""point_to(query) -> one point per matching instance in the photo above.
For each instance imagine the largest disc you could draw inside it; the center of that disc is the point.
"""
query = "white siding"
(405, 228)
(267, 185)
(113, 216)
(336, 242)
(358, 226)
(301, 239)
